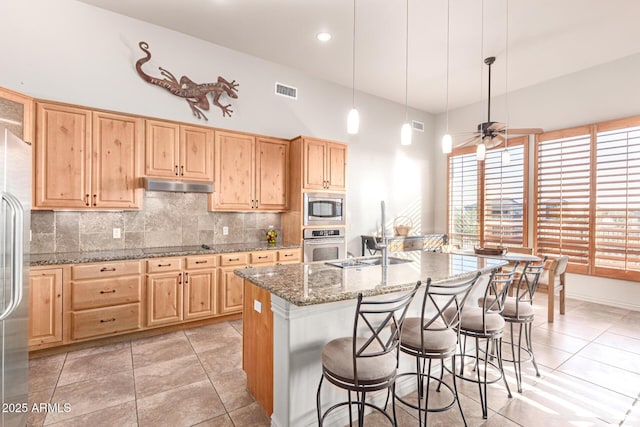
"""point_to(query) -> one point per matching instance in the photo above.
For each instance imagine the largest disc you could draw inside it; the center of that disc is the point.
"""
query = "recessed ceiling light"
(323, 37)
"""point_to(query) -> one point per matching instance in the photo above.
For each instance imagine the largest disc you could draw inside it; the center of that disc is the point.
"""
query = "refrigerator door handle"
(17, 257)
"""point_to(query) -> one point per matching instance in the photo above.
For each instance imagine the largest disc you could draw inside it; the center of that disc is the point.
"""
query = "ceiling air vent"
(416, 125)
(286, 91)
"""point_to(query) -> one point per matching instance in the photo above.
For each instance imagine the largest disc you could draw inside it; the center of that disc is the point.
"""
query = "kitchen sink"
(354, 263)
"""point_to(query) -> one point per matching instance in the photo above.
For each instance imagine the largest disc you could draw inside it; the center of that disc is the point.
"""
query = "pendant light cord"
(447, 75)
(406, 68)
(353, 67)
(506, 74)
(481, 60)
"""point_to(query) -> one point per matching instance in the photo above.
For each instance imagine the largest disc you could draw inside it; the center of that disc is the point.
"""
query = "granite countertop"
(318, 282)
(125, 254)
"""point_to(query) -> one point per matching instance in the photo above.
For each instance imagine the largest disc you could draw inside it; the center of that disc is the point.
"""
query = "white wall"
(71, 52)
(604, 92)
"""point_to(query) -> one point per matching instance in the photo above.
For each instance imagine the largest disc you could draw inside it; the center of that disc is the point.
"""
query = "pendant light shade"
(405, 134)
(353, 119)
(481, 151)
(447, 143)
(506, 157)
(353, 122)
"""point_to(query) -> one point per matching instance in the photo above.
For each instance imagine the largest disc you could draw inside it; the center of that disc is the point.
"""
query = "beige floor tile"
(163, 376)
(232, 389)
(44, 372)
(160, 348)
(250, 416)
(222, 360)
(633, 416)
(604, 375)
(497, 420)
(585, 329)
(565, 400)
(619, 358)
(92, 395)
(627, 327)
(182, 406)
(95, 365)
(36, 418)
(375, 419)
(550, 337)
(220, 421)
(211, 337)
(620, 341)
(237, 325)
(97, 350)
(123, 415)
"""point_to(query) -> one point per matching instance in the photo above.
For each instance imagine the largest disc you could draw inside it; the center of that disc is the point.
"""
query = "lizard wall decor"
(195, 94)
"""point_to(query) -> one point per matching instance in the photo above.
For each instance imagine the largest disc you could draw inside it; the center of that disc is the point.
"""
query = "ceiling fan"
(492, 134)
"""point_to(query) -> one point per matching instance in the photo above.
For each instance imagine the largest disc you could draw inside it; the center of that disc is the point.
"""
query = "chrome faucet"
(382, 246)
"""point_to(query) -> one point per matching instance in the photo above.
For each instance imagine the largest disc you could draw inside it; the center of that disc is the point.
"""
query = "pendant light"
(353, 119)
(481, 150)
(447, 142)
(405, 132)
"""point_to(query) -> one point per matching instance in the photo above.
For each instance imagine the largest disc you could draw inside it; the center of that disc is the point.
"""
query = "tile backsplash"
(167, 219)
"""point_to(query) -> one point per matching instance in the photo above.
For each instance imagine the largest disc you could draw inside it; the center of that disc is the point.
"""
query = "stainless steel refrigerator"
(15, 186)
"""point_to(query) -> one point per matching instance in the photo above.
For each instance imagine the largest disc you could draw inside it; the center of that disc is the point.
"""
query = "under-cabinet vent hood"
(155, 184)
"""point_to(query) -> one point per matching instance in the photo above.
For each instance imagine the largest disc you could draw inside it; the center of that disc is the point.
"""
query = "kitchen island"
(291, 311)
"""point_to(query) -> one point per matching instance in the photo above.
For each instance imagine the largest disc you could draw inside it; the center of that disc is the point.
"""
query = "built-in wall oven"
(324, 209)
(323, 244)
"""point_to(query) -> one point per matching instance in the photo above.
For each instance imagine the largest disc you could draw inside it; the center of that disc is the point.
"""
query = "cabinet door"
(164, 299)
(234, 172)
(162, 145)
(196, 153)
(116, 147)
(314, 155)
(336, 166)
(24, 127)
(272, 164)
(62, 152)
(230, 291)
(199, 294)
(45, 306)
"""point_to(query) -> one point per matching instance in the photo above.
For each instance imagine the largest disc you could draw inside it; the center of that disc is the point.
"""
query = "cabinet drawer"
(101, 293)
(104, 321)
(160, 265)
(233, 259)
(289, 255)
(204, 261)
(104, 270)
(263, 257)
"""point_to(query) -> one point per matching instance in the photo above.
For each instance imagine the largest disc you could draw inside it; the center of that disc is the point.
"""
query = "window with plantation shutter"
(617, 199)
(562, 183)
(464, 221)
(504, 198)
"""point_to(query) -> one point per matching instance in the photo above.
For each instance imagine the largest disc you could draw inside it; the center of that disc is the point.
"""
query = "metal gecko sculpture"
(195, 94)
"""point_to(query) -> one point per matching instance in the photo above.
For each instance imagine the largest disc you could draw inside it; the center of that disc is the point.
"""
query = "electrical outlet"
(225, 231)
(116, 233)
(257, 306)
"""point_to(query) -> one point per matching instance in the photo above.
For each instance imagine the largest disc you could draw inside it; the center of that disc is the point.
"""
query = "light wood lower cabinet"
(45, 306)
(230, 285)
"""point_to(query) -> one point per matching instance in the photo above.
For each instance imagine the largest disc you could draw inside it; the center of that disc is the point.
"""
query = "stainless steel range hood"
(156, 184)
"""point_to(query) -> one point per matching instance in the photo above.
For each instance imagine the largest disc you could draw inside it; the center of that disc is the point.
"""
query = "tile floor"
(589, 362)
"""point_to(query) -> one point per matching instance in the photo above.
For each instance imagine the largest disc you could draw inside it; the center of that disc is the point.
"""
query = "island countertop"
(318, 282)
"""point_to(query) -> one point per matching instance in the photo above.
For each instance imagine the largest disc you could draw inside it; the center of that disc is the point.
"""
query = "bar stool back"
(368, 360)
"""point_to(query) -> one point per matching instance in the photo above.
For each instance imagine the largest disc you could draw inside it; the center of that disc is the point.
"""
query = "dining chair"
(367, 361)
(435, 336)
(485, 322)
(552, 280)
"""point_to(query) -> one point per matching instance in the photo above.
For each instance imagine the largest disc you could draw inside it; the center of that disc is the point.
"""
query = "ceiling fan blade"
(495, 141)
(468, 141)
(523, 131)
(497, 126)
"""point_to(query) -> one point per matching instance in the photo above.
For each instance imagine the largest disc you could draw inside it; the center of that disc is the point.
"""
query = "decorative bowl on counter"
(402, 225)
(500, 250)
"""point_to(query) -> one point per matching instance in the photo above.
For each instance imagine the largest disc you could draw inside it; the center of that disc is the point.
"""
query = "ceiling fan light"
(405, 134)
(447, 143)
(353, 122)
(506, 157)
(481, 151)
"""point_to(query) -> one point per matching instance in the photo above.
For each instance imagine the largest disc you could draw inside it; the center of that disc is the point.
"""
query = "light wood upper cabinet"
(325, 165)
(178, 151)
(27, 113)
(63, 155)
(85, 159)
(45, 306)
(250, 173)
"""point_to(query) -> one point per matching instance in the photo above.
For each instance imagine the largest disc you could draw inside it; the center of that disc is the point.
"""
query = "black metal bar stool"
(367, 361)
(435, 336)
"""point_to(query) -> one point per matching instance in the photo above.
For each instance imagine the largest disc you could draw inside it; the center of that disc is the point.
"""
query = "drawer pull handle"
(113, 319)
(202, 262)
(164, 265)
(234, 259)
(103, 269)
(112, 291)
(288, 254)
(263, 257)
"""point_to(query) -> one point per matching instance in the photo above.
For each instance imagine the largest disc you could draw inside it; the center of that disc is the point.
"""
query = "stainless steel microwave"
(324, 209)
